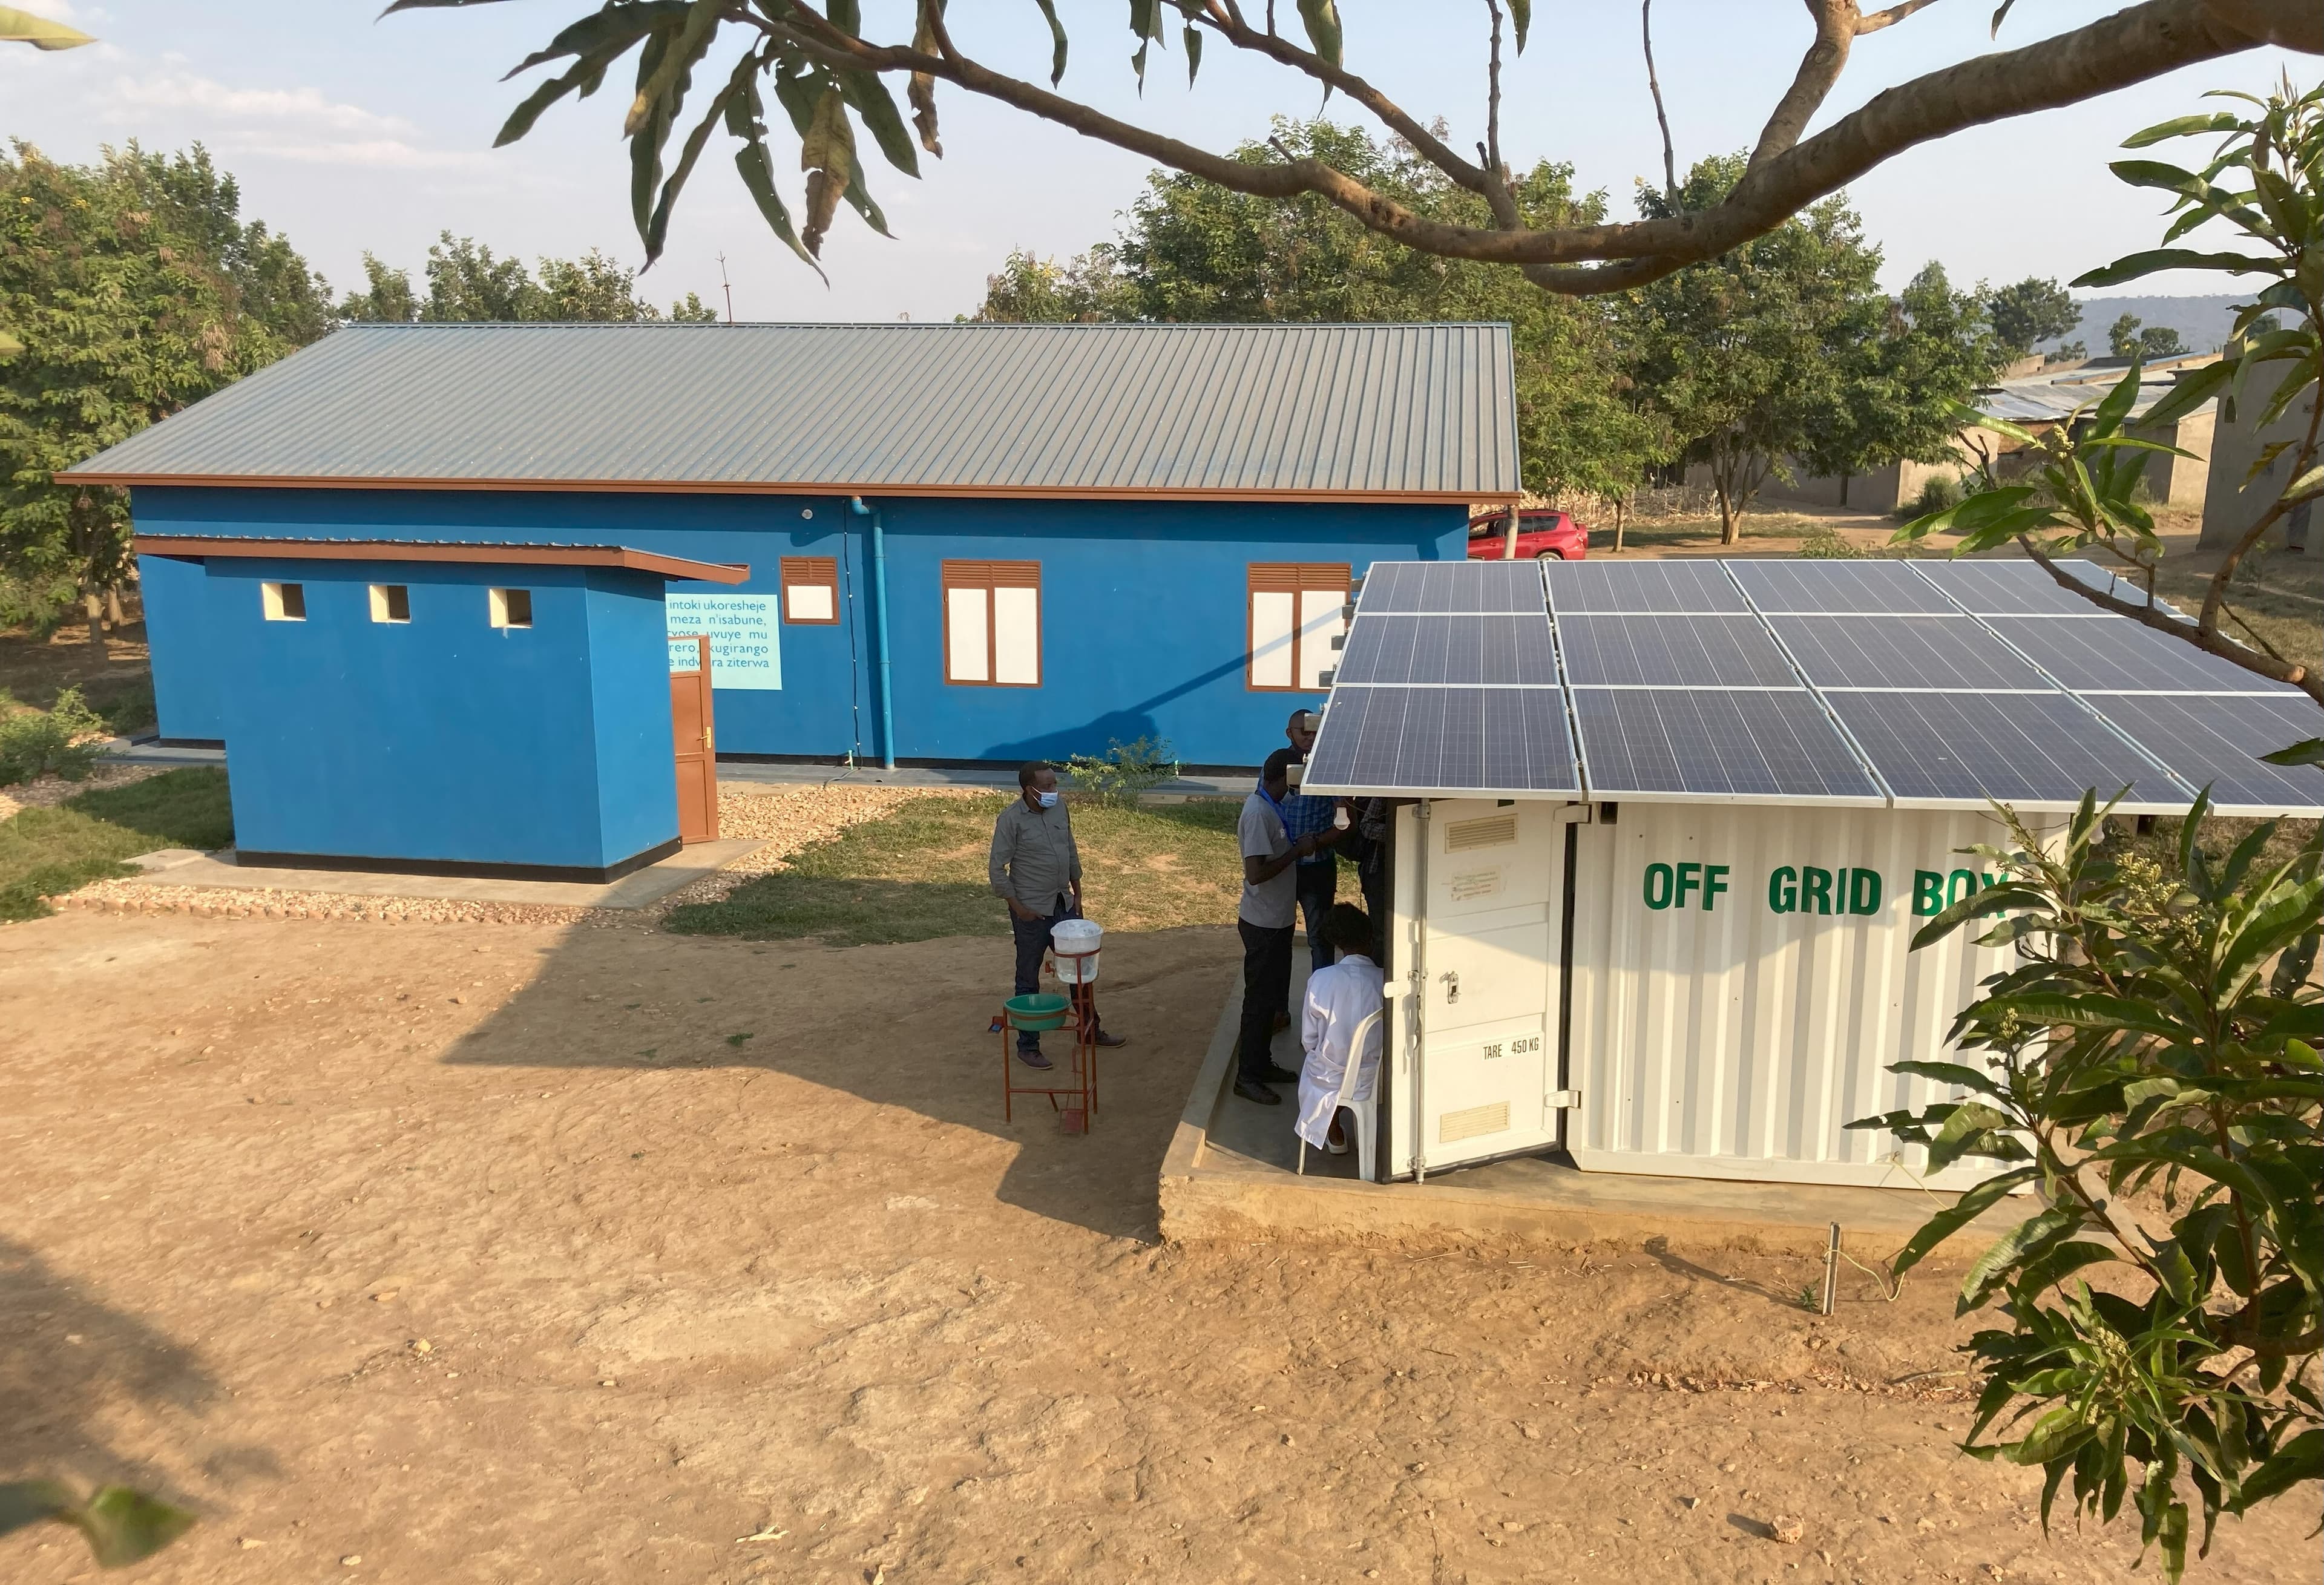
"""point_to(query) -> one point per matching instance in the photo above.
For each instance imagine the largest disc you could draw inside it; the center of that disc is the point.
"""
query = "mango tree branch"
(1655, 86)
(2209, 639)
(2130, 46)
(1820, 68)
(1888, 18)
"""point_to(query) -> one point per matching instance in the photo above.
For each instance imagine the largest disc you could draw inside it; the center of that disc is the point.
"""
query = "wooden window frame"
(990, 576)
(1294, 578)
(810, 572)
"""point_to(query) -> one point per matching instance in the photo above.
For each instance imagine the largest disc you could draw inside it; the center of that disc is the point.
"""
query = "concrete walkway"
(1229, 1173)
(743, 774)
(184, 867)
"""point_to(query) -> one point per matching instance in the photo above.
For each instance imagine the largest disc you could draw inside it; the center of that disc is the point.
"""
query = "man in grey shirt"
(1270, 905)
(1036, 869)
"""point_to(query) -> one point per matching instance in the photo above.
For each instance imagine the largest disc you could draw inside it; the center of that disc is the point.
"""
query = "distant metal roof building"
(2047, 398)
(1421, 412)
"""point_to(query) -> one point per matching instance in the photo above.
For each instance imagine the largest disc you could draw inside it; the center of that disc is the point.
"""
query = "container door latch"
(1564, 1100)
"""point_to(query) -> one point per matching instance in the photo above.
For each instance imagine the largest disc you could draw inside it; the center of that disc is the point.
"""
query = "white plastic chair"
(1366, 1113)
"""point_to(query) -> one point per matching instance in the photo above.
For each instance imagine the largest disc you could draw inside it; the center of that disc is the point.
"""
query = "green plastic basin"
(1038, 1011)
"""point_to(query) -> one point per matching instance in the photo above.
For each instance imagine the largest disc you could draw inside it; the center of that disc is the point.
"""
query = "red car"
(1541, 535)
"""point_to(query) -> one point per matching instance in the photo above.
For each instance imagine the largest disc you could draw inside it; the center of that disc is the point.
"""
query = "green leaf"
(1521, 19)
(658, 230)
(2088, 1011)
(2117, 404)
(1322, 19)
(616, 28)
(125, 1526)
(1993, 900)
(2307, 752)
(2133, 266)
(2188, 393)
(1951, 1072)
(1056, 41)
(2022, 1241)
(2180, 126)
(2307, 484)
(1964, 1132)
(871, 101)
(1972, 1204)
(2298, 1462)
(660, 90)
(29, 1502)
(746, 119)
(1193, 52)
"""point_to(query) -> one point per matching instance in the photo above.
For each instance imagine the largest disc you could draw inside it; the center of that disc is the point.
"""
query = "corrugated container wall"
(1726, 1024)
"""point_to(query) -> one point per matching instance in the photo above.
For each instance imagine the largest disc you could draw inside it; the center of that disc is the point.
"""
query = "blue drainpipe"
(880, 625)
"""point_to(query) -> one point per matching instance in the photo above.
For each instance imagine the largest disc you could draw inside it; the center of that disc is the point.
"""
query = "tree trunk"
(94, 609)
(1722, 484)
(1619, 503)
(114, 614)
(1509, 537)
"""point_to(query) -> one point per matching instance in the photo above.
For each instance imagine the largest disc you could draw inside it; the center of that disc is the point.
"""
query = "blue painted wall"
(443, 738)
(1142, 603)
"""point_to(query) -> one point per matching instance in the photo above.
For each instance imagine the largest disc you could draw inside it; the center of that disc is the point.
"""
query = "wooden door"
(696, 745)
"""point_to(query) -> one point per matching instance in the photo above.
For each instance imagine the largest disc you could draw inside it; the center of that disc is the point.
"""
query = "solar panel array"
(1892, 684)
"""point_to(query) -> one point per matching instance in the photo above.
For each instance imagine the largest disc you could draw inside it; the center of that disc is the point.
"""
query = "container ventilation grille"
(1469, 1124)
(1491, 832)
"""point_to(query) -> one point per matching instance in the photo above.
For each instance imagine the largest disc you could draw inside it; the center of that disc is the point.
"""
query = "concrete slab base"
(1228, 1173)
(633, 891)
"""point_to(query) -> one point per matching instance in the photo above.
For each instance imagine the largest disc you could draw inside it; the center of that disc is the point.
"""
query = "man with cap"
(1265, 920)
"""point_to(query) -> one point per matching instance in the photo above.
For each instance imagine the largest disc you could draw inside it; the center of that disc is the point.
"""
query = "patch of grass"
(46, 853)
(918, 872)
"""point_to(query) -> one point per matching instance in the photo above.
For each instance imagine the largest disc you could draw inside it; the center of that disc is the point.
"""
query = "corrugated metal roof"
(1280, 411)
(2044, 398)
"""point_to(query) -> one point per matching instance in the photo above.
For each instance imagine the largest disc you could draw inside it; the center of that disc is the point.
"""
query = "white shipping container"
(1739, 980)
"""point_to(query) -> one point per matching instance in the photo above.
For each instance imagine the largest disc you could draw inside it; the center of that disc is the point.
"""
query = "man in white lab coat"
(1340, 997)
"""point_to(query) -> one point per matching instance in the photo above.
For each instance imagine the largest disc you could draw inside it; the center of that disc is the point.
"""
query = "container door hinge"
(1564, 1100)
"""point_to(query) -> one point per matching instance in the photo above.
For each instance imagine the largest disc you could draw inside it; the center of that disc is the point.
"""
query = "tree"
(827, 77)
(1194, 250)
(1087, 289)
(2029, 313)
(467, 284)
(2150, 1070)
(136, 288)
(2125, 339)
(1749, 359)
(2265, 186)
(1902, 386)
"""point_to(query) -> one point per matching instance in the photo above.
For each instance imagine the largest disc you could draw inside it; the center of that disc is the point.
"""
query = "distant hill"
(2202, 322)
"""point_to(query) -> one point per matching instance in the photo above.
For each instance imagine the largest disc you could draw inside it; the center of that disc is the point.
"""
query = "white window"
(992, 623)
(511, 607)
(391, 602)
(283, 601)
(1297, 609)
(810, 589)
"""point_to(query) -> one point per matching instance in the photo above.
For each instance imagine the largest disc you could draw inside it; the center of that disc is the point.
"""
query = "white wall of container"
(1741, 979)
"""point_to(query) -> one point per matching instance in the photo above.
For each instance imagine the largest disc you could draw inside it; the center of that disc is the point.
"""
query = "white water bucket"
(1076, 936)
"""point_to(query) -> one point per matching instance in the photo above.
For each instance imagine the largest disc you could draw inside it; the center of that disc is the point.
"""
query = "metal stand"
(1072, 1093)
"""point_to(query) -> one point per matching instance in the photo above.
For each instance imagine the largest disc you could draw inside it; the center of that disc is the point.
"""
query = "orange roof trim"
(197, 546)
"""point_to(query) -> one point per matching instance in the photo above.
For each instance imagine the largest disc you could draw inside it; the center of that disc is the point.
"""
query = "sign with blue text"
(745, 652)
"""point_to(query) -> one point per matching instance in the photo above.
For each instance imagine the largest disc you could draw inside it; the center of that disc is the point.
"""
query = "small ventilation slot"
(1491, 832)
(1472, 1123)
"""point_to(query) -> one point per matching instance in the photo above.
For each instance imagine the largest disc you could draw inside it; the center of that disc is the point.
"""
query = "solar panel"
(2016, 587)
(1673, 650)
(1902, 652)
(2031, 750)
(1428, 742)
(1641, 586)
(1770, 744)
(2218, 741)
(1834, 586)
(1488, 650)
(1456, 587)
(2114, 654)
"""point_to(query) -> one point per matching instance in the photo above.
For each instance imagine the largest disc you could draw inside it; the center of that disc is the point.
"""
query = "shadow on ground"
(72, 1365)
(904, 1026)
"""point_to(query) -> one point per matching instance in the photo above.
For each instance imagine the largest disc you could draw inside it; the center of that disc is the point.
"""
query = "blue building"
(965, 542)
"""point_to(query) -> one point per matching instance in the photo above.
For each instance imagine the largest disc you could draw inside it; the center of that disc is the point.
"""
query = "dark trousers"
(1371, 874)
(1317, 888)
(1032, 942)
(1266, 988)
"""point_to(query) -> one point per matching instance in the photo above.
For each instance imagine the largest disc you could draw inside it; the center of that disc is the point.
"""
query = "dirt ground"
(520, 1253)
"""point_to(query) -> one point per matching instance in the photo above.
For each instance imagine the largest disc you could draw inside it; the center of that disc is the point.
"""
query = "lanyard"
(1279, 813)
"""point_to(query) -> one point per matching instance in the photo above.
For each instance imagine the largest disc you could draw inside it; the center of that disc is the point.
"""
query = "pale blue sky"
(348, 132)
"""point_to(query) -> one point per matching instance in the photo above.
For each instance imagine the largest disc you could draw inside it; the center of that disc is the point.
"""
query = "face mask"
(1048, 800)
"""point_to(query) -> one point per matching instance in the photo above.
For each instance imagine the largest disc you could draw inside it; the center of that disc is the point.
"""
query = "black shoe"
(1251, 1089)
(1034, 1059)
(1277, 1074)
